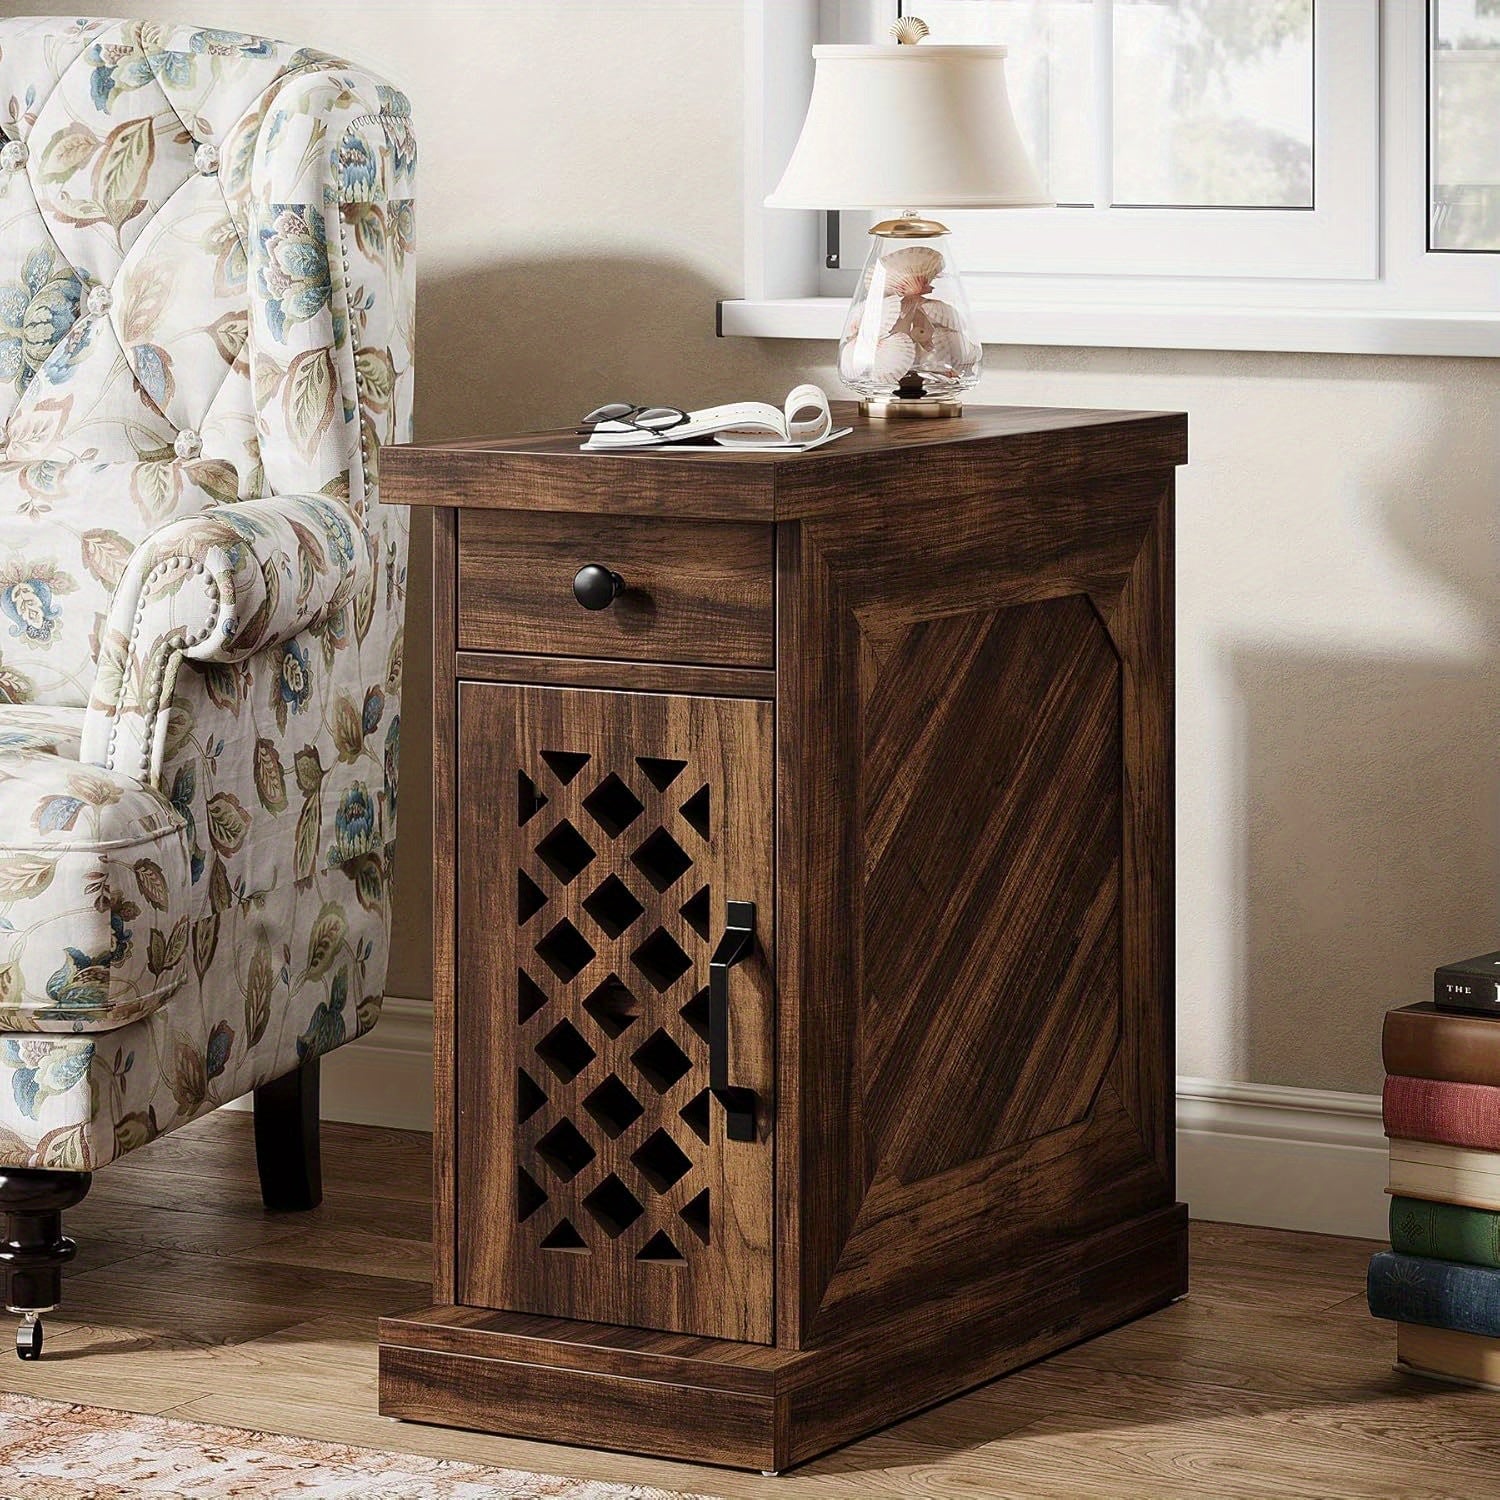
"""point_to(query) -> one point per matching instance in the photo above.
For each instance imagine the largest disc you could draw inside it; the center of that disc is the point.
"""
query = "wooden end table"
(804, 1002)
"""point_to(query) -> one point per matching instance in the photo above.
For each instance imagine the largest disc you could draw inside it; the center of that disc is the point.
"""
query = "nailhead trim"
(151, 707)
(364, 450)
(385, 118)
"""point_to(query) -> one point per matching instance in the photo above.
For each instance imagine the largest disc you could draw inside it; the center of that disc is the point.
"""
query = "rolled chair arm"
(215, 587)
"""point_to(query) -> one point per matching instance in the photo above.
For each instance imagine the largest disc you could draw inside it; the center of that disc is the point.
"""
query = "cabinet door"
(601, 837)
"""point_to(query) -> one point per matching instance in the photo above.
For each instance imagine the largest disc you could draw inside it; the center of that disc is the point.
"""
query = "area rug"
(52, 1451)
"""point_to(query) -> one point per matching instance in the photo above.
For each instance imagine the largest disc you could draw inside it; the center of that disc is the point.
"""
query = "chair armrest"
(215, 587)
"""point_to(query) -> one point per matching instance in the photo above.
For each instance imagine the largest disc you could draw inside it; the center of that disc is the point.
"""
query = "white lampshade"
(908, 127)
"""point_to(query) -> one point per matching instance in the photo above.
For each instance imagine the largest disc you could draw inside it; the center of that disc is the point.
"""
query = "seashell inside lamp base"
(881, 366)
(911, 271)
(908, 348)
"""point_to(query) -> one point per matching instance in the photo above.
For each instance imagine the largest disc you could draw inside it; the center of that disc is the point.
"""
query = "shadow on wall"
(521, 345)
(517, 346)
(1372, 804)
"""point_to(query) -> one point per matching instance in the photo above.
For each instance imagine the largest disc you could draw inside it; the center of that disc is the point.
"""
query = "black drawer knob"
(595, 587)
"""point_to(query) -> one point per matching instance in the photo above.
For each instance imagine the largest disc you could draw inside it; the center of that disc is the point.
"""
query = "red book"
(1432, 1109)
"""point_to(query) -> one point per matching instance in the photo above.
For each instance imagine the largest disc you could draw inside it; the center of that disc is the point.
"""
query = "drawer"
(694, 591)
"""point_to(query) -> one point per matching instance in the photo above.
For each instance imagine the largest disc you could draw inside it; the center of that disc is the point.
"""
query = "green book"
(1445, 1231)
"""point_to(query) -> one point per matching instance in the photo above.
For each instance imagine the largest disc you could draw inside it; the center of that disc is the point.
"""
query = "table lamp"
(889, 127)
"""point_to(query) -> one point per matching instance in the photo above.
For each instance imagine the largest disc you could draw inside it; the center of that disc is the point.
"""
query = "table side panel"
(974, 826)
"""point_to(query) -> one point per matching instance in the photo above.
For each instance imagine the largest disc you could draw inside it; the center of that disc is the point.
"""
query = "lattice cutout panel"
(613, 907)
(602, 834)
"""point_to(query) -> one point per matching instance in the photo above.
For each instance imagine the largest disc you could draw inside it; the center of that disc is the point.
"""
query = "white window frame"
(1361, 281)
(1339, 237)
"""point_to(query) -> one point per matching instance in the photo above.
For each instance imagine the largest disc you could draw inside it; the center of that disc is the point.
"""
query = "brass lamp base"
(883, 408)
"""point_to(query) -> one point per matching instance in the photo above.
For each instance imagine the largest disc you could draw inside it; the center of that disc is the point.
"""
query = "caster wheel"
(29, 1339)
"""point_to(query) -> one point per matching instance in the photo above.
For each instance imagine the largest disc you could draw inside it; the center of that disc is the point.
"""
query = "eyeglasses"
(643, 418)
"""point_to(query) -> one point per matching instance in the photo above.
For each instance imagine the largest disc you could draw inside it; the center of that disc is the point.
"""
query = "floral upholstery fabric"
(206, 320)
(82, 847)
(40, 727)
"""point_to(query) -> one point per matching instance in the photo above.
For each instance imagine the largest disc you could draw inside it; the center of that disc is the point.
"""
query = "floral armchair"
(205, 336)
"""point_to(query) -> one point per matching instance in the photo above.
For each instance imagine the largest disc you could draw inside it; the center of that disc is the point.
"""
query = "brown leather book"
(1421, 1041)
(1443, 1354)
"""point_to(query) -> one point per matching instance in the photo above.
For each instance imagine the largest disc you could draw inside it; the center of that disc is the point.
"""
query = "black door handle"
(737, 944)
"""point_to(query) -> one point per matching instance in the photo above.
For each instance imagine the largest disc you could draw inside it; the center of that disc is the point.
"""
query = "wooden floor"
(1270, 1379)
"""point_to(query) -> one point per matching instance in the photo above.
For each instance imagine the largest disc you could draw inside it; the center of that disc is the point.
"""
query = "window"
(1284, 174)
(1464, 98)
(1156, 103)
(1184, 137)
(1212, 104)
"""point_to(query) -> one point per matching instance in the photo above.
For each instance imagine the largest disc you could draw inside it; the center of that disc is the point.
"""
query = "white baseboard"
(1247, 1153)
(384, 1078)
(1254, 1153)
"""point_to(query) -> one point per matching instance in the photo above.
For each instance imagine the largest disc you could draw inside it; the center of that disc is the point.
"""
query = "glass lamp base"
(908, 347)
(883, 408)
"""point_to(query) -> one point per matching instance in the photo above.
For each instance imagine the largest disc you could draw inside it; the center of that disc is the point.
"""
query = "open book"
(804, 421)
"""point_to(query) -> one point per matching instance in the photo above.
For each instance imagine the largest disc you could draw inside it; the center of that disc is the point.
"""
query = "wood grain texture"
(972, 821)
(1271, 1378)
(1140, 619)
(874, 467)
(1026, 700)
(706, 1402)
(964, 701)
(610, 1348)
(694, 592)
(586, 920)
(626, 676)
(497, 477)
(694, 1423)
(1127, 1271)
(444, 900)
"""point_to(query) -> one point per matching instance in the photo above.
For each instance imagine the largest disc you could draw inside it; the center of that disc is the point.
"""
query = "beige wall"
(1338, 662)
(1338, 681)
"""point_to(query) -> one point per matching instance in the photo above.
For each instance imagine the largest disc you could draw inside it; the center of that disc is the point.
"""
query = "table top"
(1022, 445)
(977, 424)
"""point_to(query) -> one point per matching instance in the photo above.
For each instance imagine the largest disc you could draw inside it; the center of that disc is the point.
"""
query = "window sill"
(1297, 330)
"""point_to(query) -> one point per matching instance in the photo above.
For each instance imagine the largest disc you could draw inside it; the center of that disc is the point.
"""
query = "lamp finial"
(909, 30)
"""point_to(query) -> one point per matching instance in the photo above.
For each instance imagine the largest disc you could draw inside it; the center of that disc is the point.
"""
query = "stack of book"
(1440, 1280)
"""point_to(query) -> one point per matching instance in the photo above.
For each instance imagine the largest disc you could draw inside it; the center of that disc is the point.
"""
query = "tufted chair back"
(206, 276)
(203, 299)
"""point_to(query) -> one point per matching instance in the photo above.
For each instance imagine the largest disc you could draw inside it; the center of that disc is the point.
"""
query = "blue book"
(1439, 1293)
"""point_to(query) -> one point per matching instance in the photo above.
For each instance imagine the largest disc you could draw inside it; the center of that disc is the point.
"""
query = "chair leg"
(35, 1249)
(286, 1140)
